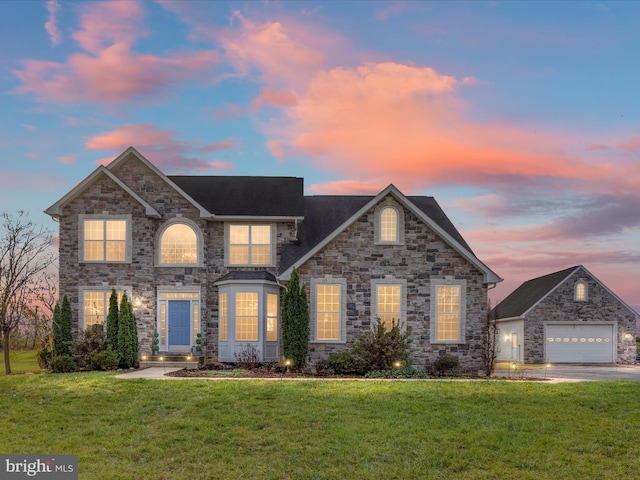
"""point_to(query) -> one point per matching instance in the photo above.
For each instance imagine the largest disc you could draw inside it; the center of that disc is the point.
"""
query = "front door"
(179, 323)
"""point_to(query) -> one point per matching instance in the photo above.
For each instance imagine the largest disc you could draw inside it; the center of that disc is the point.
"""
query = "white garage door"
(577, 343)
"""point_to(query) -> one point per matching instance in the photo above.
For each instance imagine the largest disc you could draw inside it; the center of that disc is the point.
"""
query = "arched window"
(389, 225)
(179, 245)
(581, 291)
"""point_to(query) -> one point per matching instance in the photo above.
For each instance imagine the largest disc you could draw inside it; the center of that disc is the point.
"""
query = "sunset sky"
(521, 118)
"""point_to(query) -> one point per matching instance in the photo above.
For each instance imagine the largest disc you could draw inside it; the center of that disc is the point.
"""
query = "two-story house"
(210, 255)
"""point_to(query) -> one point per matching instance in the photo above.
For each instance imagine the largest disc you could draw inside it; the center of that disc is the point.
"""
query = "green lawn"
(21, 361)
(234, 429)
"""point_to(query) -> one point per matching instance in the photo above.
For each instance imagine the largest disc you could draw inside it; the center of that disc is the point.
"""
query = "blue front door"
(179, 322)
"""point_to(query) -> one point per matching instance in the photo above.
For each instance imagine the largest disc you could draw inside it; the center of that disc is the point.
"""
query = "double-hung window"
(105, 239)
(328, 310)
(448, 312)
(250, 244)
(389, 301)
(95, 306)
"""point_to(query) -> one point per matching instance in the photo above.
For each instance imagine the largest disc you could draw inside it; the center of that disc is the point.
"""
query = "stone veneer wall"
(423, 257)
(600, 307)
(142, 274)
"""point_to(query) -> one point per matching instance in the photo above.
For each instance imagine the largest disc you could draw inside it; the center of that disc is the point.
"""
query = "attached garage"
(580, 343)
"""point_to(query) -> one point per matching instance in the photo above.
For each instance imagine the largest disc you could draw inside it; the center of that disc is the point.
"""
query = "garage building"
(566, 317)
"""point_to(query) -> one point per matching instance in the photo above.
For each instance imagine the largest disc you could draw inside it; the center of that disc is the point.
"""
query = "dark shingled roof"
(248, 275)
(529, 293)
(245, 196)
(324, 214)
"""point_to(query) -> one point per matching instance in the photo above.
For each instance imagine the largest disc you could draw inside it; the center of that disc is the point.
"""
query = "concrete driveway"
(577, 373)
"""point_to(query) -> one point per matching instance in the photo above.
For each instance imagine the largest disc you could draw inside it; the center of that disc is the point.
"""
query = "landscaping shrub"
(127, 334)
(406, 372)
(63, 364)
(344, 363)
(62, 337)
(295, 323)
(106, 360)
(445, 363)
(380, 348)
(112, 321)
(45, 354)
(248, 357)
(89, 342)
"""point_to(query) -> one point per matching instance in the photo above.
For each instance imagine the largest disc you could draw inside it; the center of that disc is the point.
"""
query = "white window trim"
(391, 281)
(199, 238)
(227, 245)
(378, 222)
(104, 288)
(313, 314)
(231, 288)
(462, 321)
(104, 216)
(586, 291)
(160, 300)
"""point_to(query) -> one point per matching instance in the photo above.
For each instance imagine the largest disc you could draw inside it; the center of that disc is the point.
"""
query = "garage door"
(577, 343)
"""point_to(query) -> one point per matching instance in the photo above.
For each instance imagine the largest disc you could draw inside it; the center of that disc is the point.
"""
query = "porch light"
(137, 302)
(628, 336)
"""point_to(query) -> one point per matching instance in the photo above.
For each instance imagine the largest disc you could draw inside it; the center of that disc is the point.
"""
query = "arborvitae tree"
(127, 334)
(295, 323)
(112, 321)
(62, 337)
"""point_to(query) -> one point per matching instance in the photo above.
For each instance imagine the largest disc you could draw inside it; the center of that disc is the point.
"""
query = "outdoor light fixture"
(628, 336)
(144, 357)
(397, 364)
(161, 359)
(189, 357)
(287, 362)
(138, 302)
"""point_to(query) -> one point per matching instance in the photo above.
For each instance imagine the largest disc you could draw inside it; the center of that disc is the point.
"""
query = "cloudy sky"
(521, 118)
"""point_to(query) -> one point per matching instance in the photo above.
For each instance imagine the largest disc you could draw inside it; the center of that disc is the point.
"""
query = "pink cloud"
(218, 146)
(346, 187)
(111, 71)
(51, 25)
(275, 98)
(159, 146)
(68, 159)
(279, 54)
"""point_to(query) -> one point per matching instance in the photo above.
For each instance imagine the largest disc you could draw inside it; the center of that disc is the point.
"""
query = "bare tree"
(25, 256)
(490, 339)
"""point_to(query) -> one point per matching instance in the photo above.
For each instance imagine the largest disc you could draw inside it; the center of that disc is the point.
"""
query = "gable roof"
(528, 295)
(327, 216)
(132, 151)
(55, 210)
(272, 197)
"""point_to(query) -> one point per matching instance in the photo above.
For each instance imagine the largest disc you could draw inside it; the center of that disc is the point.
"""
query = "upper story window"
(105, 239)
(389, 225)
(179, 245)
(250, 245)
(580, 292)
(448, 312)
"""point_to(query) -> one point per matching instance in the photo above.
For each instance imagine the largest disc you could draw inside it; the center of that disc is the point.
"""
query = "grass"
(22, 361)
(212, 429)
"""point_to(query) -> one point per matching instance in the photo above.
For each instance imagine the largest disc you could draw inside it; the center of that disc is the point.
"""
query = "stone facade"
(422, 259)
(600, 307)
